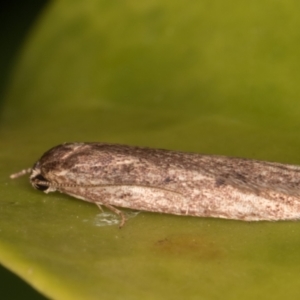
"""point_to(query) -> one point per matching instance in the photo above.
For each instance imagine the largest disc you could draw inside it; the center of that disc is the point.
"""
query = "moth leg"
(99, 205)
(117, 212)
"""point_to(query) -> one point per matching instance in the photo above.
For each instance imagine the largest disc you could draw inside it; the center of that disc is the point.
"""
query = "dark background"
(16, 20)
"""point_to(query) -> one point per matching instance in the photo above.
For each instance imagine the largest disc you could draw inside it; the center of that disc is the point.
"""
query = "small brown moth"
(169, 182)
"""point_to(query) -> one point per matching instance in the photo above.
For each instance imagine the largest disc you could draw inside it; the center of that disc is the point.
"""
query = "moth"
(119, 176)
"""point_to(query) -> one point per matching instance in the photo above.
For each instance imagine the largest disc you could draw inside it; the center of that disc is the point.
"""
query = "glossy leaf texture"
(212, 77)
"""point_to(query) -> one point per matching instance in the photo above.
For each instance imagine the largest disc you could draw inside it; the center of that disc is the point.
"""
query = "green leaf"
(210, 76)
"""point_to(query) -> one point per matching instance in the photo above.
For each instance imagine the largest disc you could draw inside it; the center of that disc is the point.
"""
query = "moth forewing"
(136, 197)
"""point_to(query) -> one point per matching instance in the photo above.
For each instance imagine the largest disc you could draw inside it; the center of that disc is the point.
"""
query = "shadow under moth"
(171, 182)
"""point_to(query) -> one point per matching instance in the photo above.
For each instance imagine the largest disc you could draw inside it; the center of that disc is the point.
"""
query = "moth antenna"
(21, 173)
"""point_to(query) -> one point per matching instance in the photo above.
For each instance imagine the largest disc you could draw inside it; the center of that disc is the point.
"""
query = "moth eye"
(40, 177)
(40, 183)
(41, 187)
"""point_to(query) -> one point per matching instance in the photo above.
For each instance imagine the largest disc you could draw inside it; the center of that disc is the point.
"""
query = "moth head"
(38, 181)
